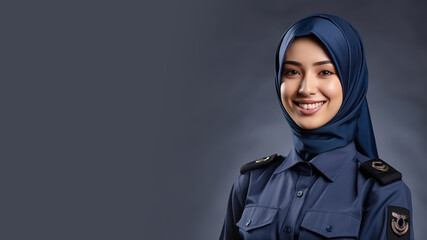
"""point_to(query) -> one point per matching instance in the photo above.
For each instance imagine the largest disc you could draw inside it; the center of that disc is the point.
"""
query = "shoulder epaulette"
(260, 163)
(381, 171)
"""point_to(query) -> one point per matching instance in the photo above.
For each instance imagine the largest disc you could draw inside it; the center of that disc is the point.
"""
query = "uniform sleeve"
(388, 213)
(234, 211)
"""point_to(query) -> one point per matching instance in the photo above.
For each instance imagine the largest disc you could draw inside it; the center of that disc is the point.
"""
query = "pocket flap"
(330, 224)
(255, 217)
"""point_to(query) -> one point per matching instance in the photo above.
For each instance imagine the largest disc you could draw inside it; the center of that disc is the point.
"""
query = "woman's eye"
(325, 72)
(291, 72)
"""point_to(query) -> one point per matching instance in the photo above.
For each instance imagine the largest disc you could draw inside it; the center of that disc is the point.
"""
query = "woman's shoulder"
(258, 171)
(381, 180)
(387, 199)
(378, 169)
(262, 163)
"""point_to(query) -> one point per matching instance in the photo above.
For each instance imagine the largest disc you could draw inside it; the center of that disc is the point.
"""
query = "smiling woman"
(311, 90)
(331, 185)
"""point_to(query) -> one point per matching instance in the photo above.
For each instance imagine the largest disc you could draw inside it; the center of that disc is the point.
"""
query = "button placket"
(301, 186)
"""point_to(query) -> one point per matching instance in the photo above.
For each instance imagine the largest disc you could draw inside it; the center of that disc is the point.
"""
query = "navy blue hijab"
(352, 121)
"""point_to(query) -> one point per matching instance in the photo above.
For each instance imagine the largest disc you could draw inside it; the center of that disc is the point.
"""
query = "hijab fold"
(352, 121)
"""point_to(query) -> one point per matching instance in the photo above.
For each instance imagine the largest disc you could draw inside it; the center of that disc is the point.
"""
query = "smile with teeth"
(309, 106)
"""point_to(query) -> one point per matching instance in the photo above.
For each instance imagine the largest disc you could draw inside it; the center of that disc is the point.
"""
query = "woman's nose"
(308, 86)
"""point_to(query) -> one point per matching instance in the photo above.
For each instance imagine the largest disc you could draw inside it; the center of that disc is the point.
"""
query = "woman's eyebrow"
(293, 63)
(314, 64)
(322, 63)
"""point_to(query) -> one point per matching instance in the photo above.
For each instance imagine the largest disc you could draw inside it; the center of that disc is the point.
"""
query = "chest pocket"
(326, 225)
(256, 222)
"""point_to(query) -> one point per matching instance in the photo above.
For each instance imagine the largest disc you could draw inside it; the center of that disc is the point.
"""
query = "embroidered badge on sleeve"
(398, 223)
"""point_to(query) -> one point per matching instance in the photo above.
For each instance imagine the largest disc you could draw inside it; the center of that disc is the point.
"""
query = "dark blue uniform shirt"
(327, 197)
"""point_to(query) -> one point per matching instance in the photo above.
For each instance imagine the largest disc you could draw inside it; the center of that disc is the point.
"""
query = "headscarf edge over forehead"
(352, 122)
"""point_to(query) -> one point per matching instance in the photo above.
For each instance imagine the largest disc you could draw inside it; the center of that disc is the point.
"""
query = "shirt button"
(329, 228)
(287, 229)
(248, 222)
(299, 194)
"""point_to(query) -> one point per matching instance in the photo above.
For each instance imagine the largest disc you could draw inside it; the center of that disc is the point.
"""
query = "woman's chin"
(309, 124)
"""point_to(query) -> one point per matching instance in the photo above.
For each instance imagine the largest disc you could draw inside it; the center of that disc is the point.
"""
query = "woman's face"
(311, 91)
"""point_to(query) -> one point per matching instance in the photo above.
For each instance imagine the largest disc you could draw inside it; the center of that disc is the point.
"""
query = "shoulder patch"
(398, 223)
(259, 163)
(381, 171)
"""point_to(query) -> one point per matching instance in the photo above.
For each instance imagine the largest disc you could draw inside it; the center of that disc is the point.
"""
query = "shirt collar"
(330, 163)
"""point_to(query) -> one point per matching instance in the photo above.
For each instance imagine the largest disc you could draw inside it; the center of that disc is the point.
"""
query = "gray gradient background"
(131, 120)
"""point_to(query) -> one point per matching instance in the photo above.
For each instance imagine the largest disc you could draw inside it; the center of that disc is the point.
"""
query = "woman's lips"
(309, 107)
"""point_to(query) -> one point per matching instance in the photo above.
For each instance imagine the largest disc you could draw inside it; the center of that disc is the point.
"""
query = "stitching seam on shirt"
(339, 213)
